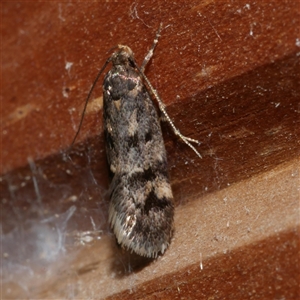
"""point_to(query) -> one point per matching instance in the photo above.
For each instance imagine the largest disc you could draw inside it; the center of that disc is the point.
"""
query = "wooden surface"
(229, 75)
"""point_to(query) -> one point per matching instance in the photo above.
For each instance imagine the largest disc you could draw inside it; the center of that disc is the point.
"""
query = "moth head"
(123, 56)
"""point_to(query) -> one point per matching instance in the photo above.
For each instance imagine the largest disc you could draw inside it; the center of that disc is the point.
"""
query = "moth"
(141, 211)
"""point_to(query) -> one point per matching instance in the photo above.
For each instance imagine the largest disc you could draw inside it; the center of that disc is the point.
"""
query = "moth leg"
(167, 118)
(161, 105)
(151, 51)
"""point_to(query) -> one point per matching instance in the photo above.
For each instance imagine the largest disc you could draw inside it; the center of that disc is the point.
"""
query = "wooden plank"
(229, 75)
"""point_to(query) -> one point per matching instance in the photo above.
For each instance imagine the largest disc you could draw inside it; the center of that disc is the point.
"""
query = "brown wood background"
(228, 72)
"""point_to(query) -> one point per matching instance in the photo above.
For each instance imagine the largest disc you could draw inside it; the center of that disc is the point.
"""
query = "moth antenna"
(87, 99)
(151, 51)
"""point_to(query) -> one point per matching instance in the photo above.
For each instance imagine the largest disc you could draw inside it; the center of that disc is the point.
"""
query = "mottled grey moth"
(141, 207)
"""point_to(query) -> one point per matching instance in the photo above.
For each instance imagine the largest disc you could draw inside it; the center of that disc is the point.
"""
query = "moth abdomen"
(143, 220)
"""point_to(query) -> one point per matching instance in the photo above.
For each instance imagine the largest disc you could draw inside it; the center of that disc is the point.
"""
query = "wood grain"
(229, 75)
